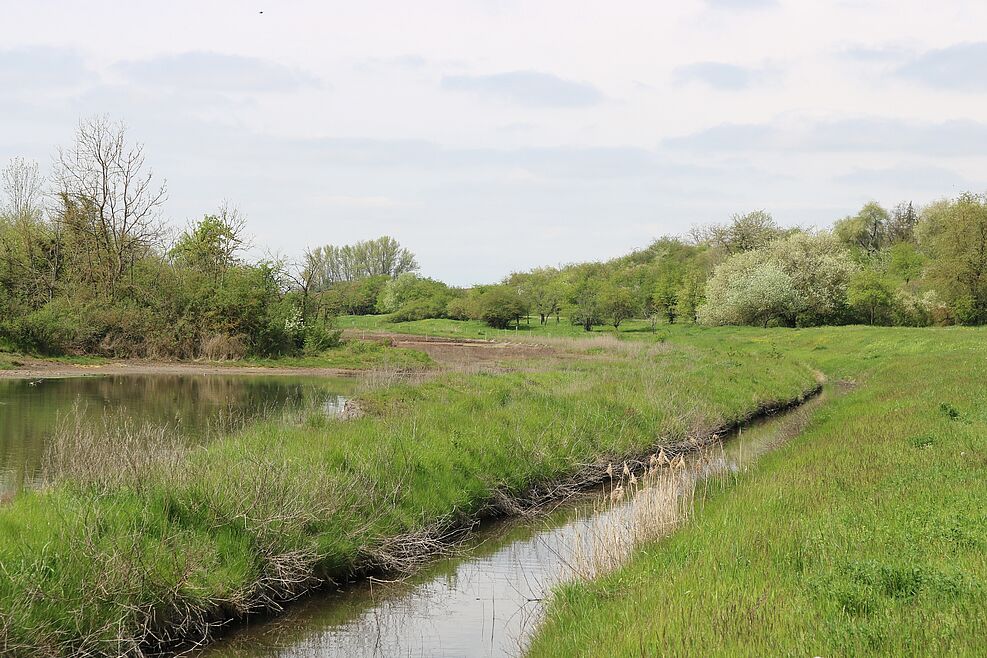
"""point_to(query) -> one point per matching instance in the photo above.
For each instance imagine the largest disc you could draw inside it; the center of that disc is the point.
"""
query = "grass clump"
(353, 355)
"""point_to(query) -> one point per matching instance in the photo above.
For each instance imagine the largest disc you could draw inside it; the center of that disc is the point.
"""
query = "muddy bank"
(31, 368)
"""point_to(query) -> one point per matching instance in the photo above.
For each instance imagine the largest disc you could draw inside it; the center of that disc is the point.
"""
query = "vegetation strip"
(109, 564)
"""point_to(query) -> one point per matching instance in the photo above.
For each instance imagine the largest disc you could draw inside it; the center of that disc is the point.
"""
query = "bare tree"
(23, 186)
(113, 193)
(30, 248)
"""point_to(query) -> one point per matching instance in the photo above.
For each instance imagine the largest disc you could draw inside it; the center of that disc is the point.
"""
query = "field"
(866, 535)
(149, 548)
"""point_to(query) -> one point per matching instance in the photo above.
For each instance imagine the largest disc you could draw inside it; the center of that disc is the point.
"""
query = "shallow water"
(488, 599)
(196, 406)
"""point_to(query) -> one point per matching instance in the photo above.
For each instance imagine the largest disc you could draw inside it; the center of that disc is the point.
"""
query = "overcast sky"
(490, 136)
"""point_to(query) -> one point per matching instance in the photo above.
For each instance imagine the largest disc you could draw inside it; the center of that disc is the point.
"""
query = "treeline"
(87, 265)
(908, 266)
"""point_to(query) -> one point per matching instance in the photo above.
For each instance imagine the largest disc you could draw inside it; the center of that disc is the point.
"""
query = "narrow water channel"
(488, 599)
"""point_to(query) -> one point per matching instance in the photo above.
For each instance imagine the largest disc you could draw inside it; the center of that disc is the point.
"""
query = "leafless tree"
(30, 248)
(23, 187)
(114, 196)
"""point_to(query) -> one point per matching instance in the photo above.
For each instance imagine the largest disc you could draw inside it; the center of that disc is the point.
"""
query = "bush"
(420, 309)
(321, 336)
(50, 330)
(499, 306)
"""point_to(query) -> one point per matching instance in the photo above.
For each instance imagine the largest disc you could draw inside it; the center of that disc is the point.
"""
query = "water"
(487, 600)
(192, 404)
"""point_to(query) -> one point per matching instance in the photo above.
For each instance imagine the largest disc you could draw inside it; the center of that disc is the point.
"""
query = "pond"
(197, 407)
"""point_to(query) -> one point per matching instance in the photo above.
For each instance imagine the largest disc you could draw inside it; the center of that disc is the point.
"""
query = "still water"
(196, 406)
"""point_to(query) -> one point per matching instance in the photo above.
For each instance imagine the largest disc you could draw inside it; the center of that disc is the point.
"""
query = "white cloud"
(530, 88)
(210, 71)
(497, 136)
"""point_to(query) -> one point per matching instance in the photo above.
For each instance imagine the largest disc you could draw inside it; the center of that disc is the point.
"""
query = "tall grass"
(255, 519)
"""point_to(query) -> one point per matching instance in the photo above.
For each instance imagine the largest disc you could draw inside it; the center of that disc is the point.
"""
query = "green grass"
(351, 355)
(101, 565)
(477, 329)
(866, 535)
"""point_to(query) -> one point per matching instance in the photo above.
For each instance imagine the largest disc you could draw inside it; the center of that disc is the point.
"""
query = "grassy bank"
(352, 355)
(476, 329)
(159, 543)
(866, 535)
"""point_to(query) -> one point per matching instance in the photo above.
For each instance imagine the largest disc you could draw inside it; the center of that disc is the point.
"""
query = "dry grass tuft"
(636, 511)
(110, 453)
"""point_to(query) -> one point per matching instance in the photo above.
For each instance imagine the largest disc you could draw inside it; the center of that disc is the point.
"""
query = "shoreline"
(34, 368)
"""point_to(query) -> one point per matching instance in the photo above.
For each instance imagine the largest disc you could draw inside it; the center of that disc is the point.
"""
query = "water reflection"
(195, 405)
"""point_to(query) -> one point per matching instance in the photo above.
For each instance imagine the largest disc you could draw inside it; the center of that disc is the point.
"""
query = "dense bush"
(500, 306)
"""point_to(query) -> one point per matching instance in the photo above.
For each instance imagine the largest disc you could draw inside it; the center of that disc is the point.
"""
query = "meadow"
(152, 548)
(865, 535)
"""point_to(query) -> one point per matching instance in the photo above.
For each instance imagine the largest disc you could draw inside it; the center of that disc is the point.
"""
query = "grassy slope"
(351, 355)
(477, 329)
(93, 567)
(867, 535)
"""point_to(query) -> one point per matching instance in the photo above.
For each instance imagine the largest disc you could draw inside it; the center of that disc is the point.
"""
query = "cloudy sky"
(493, 135)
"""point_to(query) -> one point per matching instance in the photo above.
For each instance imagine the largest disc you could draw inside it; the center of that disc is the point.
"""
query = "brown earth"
(454, 352)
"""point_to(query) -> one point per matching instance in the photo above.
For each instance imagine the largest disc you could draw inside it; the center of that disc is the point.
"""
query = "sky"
(490, 136)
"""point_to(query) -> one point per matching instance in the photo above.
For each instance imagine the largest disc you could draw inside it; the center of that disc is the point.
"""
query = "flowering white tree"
(802, 276)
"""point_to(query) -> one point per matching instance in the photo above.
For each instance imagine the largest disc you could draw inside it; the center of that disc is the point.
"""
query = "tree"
(23, 187)
(211, 246)
(955, 235)
(616, 303)
(30, 247)
(820, 268)
(110, 192)
(544, 292)
(901, 224)
(499, 306)
(666, 296)
(744, 232)
(383, 256)
(747, 289)
(905, 262)
(866, 230)
(869, 293)
(584, 295)
(411, 297)
(691, 294)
